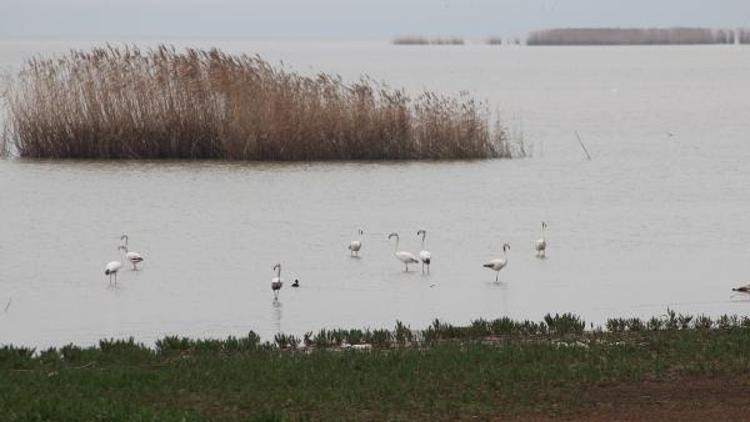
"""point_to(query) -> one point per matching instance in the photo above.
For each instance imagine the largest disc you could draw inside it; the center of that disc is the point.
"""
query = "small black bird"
(296, 283)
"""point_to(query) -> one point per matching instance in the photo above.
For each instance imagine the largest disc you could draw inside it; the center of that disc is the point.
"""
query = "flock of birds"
(424, 257)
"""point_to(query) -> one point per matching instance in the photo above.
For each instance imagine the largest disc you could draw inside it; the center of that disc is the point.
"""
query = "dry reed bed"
(617, 36)
(124, 102)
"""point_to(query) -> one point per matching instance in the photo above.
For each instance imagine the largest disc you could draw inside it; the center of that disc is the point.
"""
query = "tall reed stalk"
(124, 102)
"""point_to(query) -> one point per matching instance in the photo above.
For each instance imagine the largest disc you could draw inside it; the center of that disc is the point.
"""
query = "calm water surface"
(653, 221)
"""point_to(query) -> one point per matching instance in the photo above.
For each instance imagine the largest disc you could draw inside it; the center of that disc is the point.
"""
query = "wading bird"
(296, 283)
(742, 289)
(424, 255)
(133, 257)
(403, 256)
(111, 270)
(498, 264)
(356, 245)
(276, 282)
(541, 243)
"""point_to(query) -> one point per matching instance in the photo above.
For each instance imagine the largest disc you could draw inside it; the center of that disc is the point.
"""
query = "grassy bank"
(110, 103)
(490, 368)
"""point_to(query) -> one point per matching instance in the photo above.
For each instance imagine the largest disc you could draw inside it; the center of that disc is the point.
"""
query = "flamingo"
(111, 270)
(356, 245)
(498, 264)
(424, 255)
(742, 289)
(276, 283)
(541, 243)
(133, 257)
(403, 256)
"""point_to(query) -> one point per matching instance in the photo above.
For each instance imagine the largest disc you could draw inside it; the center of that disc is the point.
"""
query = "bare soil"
(719, 398)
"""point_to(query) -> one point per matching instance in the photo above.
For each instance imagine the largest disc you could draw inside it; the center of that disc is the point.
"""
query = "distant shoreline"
(634, 36)
(601, 36)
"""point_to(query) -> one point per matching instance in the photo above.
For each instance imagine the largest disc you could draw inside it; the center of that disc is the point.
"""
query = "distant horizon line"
(336, 38)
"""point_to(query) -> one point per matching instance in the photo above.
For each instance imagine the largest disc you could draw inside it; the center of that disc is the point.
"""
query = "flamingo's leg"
(497, 277)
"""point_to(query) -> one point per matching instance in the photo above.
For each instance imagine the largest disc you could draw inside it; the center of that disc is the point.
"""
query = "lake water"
(660, 217)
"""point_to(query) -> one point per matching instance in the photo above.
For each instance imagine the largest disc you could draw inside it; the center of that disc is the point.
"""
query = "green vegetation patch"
(462, 372)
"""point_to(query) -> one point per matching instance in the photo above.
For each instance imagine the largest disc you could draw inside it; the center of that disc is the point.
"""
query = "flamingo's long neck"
(423, 236)
(278, 271)
(396, 248)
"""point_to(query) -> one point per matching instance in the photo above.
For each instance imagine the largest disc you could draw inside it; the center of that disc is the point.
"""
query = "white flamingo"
(111, 270)
(498, 264)
(276, 283)
(356, 245)
(133, 257)
(424, 255)
(403, 256)
(541, 243)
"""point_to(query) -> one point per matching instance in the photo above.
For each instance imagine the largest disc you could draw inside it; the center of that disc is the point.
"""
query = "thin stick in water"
(580, 142)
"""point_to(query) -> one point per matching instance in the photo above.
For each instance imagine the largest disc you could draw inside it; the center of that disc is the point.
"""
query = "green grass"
(443, 372)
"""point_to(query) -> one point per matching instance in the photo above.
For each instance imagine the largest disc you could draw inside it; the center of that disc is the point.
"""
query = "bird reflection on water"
(276, 315)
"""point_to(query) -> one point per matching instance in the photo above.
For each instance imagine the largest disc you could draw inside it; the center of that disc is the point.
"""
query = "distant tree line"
(627, 36)
(419, 40)
(602, 36)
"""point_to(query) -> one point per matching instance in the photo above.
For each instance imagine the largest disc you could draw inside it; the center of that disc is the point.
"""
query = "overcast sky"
(347, 18)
